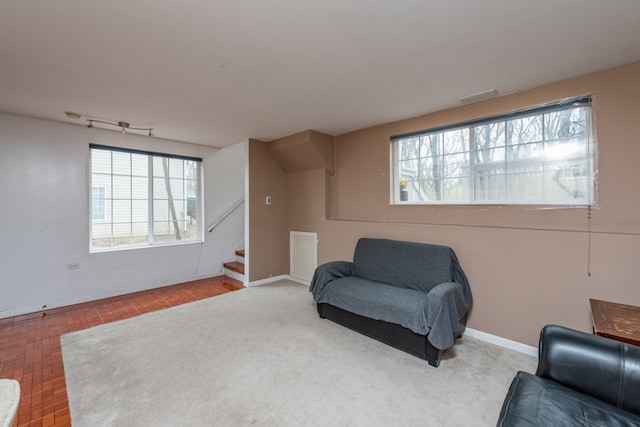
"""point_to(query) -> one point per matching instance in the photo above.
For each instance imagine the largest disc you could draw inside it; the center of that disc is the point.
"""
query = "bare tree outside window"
(142, 199)
(541, 156)
(172, 208)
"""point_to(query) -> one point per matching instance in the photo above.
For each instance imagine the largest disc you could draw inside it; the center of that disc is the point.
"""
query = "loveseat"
(581, 380)
(413, 296)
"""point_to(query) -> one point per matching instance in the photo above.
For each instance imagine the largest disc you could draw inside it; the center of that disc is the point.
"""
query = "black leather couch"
(581, 380)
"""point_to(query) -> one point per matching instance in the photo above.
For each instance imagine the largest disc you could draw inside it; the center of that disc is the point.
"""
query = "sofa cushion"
(379, 301)
(411, 265)
(535, 401)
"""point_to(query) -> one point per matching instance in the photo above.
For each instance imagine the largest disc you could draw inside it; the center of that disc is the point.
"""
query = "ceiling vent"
(487, 94)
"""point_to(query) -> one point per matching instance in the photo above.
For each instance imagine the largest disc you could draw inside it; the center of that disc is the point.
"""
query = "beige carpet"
(262, 356)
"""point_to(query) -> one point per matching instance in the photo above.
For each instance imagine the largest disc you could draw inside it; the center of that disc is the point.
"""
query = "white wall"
(44, 212)
(224, 180)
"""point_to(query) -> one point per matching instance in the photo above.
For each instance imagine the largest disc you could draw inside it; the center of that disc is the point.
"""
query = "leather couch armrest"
(600, 367)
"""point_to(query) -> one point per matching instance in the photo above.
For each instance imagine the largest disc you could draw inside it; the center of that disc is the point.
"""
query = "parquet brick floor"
(30, 349)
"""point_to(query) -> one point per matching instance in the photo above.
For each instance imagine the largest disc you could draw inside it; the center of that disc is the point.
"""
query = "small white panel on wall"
(303, 248)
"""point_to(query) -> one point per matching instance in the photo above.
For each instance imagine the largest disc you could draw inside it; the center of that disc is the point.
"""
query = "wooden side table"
(620, 322)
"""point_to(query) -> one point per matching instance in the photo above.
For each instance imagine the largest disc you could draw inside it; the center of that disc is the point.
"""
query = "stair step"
(235, 266)
(240, 253)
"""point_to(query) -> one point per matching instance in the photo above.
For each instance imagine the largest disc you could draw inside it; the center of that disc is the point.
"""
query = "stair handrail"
(224, 216)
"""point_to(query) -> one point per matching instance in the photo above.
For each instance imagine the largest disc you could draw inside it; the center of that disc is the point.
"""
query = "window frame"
(396, 198)
(148, 177)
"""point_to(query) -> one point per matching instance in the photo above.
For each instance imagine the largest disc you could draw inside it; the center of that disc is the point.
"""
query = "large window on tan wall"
(538, 156)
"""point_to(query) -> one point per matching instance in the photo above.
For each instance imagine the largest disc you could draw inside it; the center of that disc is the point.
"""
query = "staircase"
(235, 269)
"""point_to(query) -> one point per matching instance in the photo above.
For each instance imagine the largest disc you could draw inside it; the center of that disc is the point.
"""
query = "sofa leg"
(321, 311)
(433, 355)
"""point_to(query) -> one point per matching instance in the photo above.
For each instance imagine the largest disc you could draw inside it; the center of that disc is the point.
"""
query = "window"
(98, 203)
(142, 199)
(540, 156)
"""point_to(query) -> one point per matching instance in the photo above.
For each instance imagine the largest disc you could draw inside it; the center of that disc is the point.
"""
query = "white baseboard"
(483, 336)
(302, 282)
(235, 275)
(276, 278)
(90, 298)
(267, 280)
(502, 342)
(29, 310)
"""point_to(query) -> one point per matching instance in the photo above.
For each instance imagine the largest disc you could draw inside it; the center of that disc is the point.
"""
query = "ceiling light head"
(124, 126)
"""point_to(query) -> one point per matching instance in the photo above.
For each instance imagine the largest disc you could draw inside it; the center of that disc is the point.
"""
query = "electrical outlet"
(73, 265)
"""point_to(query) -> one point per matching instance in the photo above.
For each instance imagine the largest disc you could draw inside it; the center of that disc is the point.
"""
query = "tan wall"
(268, 247)
(361, 187)
(307, 199)
(527, 267)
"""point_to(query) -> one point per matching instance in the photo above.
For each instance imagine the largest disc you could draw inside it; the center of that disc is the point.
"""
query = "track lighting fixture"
(124, 126)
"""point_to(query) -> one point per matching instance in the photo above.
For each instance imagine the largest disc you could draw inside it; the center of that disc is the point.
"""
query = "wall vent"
(303, 248)
(487, 94)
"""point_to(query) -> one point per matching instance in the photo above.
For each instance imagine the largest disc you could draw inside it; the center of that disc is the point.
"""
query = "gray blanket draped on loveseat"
(435, 288)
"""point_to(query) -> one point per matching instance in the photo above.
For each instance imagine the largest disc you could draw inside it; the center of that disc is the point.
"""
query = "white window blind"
(542, 155)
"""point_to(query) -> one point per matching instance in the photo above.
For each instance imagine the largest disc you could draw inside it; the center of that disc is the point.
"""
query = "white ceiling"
(216, 72)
